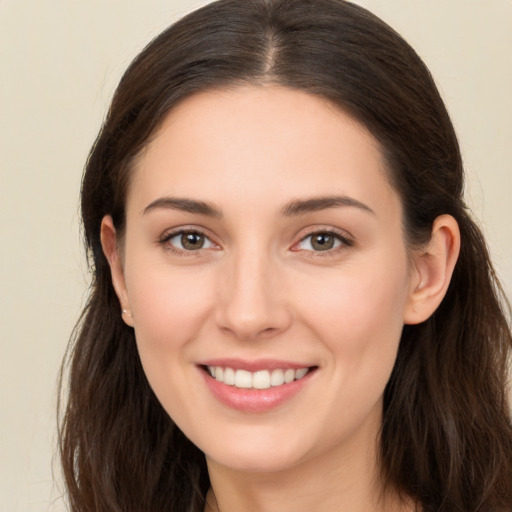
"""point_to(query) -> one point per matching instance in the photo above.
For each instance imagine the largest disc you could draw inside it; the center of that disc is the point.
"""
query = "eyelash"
(344, 242)
(165, 241)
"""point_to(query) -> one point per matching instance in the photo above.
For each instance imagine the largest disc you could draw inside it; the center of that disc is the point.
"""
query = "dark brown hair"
(446, 438)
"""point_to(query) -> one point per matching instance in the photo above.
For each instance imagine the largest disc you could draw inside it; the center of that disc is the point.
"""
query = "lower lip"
(254, 400)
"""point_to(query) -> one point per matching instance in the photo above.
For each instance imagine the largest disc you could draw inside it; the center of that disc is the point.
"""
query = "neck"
(346, 478)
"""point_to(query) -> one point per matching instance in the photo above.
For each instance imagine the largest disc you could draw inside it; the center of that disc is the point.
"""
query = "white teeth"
(277, 378)
(300, 373)
(229, 376)
(262, 379)
(289, 375)
(243, 379)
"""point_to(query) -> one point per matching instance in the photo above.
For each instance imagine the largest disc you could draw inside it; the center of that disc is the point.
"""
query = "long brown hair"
(446, 438)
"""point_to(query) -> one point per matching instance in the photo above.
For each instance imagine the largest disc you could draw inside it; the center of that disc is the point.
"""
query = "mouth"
(255, 387)
(261, 379)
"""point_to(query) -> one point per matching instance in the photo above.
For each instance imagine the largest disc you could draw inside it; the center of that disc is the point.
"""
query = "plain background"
(60, 61)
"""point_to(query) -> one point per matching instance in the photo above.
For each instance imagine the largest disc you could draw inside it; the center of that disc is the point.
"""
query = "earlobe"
(110, 245)
(433, 267)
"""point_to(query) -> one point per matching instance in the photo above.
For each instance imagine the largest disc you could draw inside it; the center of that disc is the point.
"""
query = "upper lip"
(254, 365)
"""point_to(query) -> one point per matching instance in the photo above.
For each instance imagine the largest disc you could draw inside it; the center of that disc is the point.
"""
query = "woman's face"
(263, 240)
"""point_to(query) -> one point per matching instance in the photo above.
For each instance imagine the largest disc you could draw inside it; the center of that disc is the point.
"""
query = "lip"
(254, 400)
(255, 365)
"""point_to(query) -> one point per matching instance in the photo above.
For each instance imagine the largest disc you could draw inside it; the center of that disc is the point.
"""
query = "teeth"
(262, 379)
(300, 373)
(289, 376)
(277, 378)
(243, 379)
(229, 376)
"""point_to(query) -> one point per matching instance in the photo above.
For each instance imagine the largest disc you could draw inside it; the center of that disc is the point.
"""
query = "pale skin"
(298, 254)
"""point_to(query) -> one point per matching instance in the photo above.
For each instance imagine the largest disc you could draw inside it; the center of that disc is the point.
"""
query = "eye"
(188, 241)
(322, 241)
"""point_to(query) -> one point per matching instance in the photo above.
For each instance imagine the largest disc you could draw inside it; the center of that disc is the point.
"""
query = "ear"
(110, 245)
(432, 270)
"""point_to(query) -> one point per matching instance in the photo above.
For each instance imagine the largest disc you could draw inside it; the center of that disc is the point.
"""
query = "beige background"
(59, 63)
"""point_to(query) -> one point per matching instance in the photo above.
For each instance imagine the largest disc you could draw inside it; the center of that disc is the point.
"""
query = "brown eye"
(192, 241)
(323, 241)
(186, 241)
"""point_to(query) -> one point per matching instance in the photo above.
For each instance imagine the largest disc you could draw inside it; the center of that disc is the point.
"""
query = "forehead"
(249, 141)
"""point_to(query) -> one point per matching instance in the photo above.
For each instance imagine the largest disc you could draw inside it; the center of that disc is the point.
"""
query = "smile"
(262, 379)
(255, 386)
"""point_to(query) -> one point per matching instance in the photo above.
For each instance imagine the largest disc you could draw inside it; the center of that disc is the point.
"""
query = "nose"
(252, 301)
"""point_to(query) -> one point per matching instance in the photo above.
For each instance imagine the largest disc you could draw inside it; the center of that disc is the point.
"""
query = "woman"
(291, 306)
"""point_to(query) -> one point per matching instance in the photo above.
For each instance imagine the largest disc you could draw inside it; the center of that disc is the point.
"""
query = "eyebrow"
(294, 208)
(185, 205)
(315, 204)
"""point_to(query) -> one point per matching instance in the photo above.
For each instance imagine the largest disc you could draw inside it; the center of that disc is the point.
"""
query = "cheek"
(359, 318)
(169, 309)
(359, 315)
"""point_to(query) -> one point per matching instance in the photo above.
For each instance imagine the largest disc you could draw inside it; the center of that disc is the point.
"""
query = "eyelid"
(344, 237)
(172, 233)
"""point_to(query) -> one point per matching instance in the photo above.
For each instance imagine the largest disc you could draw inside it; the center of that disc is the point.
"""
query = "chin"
(255, 462)
(259, 454)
